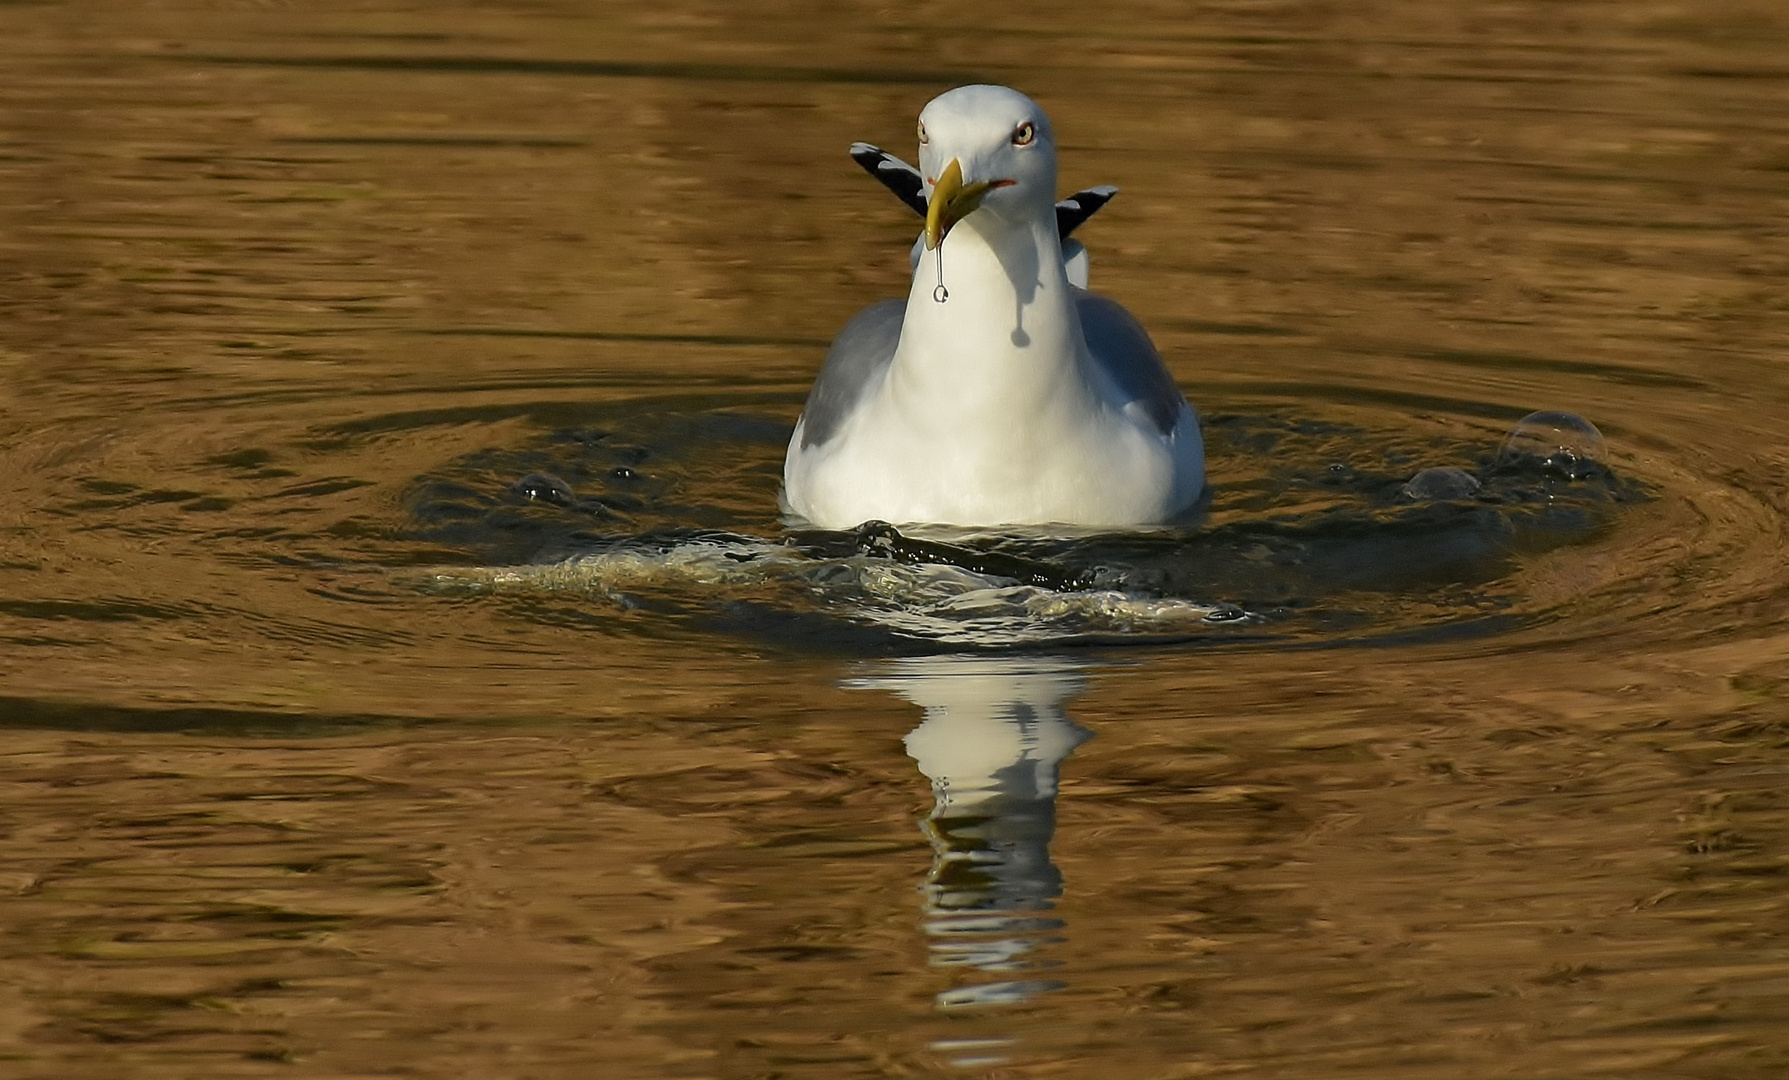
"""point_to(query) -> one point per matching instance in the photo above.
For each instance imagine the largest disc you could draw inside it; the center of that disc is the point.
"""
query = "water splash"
(1316, 539)
(932, 601)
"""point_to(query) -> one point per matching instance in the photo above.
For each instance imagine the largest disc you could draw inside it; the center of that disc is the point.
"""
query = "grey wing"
(1122, 349)
(857, 359)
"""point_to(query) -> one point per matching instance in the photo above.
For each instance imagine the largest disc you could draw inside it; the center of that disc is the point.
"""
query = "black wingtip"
(1077, 208)
(892, 173)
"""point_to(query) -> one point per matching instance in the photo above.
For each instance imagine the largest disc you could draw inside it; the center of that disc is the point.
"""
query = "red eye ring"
(1025, 134)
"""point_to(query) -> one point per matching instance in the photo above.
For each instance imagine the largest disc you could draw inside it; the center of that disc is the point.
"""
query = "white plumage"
(1021, 399)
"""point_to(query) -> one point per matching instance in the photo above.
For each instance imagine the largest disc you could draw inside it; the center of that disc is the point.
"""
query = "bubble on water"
(1440, 483)
(1223, 613)
(1561, 443)
(544, 487)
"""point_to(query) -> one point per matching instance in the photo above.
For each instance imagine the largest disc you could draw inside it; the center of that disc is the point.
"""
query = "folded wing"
(1121, 349)
(859, 357)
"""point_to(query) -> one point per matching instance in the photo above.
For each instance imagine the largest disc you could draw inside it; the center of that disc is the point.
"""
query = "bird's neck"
(1006, 329)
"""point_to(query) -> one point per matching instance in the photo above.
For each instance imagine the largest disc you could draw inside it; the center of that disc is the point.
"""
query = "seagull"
(999, 392)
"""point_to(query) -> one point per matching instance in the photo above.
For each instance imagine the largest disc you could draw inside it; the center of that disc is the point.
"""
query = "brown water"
(312, 771)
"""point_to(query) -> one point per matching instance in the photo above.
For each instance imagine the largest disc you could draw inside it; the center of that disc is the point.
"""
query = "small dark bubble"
(1108, 577)
(1224, 613)
(1440, 483)
(544, 487)
(622, 472)
(1338, 473)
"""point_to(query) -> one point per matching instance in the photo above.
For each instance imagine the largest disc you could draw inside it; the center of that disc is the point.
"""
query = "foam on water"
(930, 601)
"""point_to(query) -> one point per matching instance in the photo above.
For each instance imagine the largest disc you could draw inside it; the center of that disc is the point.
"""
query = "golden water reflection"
(993, 740)
(266, 271)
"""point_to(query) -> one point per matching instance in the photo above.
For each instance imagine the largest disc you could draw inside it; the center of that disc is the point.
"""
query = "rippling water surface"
(406, 672)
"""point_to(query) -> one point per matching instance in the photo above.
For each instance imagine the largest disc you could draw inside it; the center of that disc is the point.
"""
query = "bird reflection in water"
(992, 742)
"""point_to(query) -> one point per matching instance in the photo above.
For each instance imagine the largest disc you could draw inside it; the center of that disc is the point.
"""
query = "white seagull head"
(989, 149)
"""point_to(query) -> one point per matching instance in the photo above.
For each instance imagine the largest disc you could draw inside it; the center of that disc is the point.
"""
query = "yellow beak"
(951, 201)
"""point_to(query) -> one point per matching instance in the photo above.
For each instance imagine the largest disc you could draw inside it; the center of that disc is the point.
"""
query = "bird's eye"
(923, 140)
(1023, 135)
